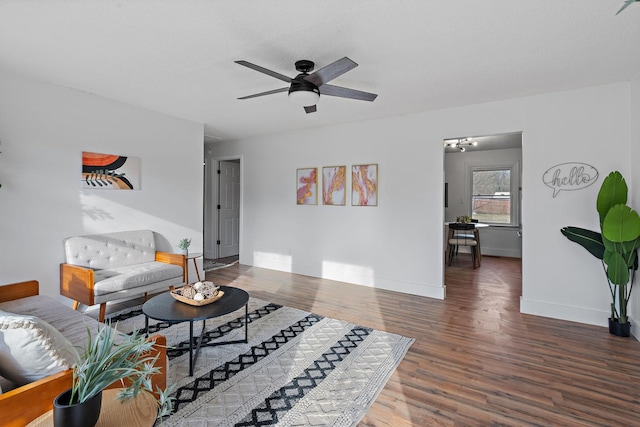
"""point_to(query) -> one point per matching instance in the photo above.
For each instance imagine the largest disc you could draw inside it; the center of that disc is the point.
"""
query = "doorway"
(228, 208)
(482, 176)
(222, 207)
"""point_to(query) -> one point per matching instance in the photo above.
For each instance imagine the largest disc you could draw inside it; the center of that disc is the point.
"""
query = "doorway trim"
(211, 232)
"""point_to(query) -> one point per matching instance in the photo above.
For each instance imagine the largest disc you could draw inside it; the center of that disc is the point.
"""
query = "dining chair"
(463, 235)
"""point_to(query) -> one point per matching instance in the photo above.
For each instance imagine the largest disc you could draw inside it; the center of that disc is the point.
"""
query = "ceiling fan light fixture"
(304, 98)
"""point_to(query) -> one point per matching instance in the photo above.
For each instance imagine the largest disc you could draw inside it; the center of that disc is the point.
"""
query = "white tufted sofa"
(105, 267)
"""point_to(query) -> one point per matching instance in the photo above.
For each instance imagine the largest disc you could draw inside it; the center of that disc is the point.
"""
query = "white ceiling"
(177, 57)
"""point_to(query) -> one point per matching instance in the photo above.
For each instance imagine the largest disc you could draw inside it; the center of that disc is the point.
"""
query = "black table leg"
(191, 348)
(246, 323)
(195, 358)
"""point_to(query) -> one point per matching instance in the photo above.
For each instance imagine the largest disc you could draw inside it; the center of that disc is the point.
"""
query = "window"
(492, 196)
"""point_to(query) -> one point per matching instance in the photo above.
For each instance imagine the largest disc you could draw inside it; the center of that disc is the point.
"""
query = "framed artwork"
(333, 185)
(110, 172)
(307, 186)
(364, 185)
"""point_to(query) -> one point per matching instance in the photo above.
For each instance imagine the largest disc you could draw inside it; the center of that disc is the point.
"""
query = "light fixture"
(304, 98)
(303, 93)
(460, 143)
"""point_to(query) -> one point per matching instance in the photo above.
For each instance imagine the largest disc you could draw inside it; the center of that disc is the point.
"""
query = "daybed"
(106, 267)
(23, 404)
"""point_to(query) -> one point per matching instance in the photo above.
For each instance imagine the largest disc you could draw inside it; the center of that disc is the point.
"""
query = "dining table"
(449, 234)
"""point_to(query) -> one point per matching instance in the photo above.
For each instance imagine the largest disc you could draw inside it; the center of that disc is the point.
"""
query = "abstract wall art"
(333, 185)
(364, 183)
(110, 172)
(307, 186)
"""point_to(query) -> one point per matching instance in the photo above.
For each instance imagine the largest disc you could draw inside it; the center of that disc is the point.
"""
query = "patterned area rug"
(298, 369)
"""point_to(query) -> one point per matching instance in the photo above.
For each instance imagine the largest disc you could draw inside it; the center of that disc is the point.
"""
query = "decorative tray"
(198, 294)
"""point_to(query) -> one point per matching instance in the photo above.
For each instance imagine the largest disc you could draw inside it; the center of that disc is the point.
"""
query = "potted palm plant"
(105, 360)
(616, 246)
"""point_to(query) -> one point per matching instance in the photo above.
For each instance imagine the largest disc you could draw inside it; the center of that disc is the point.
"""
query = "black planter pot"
(619, 329)
(84, 414)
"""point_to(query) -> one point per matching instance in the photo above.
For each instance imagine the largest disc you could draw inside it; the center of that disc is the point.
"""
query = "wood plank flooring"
(476, 361)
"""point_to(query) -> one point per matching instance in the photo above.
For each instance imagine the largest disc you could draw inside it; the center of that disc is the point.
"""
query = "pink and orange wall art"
(307, 186)
(364, 183)
(333, 185)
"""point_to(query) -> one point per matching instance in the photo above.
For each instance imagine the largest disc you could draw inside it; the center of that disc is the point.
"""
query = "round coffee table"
(166, 308)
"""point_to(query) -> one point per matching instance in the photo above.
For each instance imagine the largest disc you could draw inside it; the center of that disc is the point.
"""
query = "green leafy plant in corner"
(184, 244)
(616, 246)
(106, 360)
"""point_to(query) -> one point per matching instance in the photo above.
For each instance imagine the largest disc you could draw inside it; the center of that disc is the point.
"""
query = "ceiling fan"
(305, 89)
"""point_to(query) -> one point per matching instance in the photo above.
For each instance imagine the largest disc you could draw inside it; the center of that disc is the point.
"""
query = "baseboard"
(572, 314)
(564, 312)
(424, 290)
(356, 276)
(493, 252)
(501, 252)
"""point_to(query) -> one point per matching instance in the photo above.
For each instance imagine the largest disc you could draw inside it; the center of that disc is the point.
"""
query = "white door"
(229, 209)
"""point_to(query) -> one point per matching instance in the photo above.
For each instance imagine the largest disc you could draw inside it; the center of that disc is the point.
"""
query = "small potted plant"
(616, 246)
(183, 244)
(464, 219)
(104, 361)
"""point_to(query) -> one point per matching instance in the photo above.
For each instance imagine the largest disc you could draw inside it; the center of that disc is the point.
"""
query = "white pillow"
(31, 349)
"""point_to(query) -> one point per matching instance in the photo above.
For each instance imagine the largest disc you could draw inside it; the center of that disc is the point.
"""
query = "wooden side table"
(139, 412)
(192, 256)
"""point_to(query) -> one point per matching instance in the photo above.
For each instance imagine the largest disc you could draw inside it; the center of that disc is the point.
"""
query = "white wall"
(633, 180)
(496, 240)
(43, 130)
(398, 245)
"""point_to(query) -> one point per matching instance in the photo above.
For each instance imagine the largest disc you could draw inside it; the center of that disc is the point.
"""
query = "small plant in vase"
(464, 219)
(108, 357)
(184, 245)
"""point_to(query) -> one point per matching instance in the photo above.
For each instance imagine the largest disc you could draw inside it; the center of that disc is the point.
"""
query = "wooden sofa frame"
(77, 282)
(22, 405)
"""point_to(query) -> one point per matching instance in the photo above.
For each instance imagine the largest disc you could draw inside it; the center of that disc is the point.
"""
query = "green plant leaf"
(617, 269)
(590, 240)
(612, 192)
(608, 244)
(621, 224)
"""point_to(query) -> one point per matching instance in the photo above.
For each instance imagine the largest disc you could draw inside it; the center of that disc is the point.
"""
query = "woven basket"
(177, 295)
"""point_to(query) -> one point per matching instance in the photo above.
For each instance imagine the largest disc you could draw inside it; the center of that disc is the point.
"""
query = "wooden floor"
(476, 360)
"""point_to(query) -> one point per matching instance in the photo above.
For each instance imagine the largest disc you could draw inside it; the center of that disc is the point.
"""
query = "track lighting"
(460, 143)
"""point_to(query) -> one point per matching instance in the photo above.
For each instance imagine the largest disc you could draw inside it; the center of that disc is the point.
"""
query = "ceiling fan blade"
(331, 71)
(270, 92)
(344, 92)
(310, 109)
(265, 71)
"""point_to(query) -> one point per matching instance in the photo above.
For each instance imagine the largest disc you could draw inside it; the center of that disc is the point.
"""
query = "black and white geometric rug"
(298, 369)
